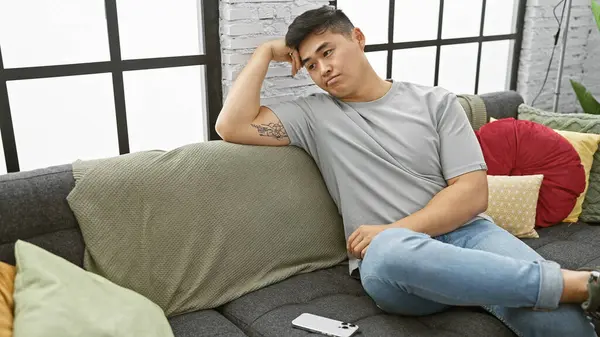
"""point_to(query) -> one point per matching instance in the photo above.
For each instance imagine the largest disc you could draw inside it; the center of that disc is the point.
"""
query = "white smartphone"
(325, 326)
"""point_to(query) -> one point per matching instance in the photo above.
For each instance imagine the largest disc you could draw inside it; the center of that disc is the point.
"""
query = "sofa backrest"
(33, 208)
(479, 108)
(33, 204)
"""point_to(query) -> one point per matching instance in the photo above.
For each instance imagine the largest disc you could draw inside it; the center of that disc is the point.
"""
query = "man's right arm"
(243, 120)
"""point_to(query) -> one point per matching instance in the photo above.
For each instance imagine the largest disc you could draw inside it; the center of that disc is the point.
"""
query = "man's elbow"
(221, 130)
(224, 129)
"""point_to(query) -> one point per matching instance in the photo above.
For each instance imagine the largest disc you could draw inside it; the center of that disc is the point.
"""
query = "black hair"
(317, 21)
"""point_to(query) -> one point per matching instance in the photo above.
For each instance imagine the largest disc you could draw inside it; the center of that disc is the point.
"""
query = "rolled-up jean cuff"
(551, 286)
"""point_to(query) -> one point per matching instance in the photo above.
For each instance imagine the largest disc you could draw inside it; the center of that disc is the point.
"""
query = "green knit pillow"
(577, 122)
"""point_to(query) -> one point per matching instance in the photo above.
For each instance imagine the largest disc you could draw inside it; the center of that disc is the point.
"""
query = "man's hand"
(361, 238)
(282, 53)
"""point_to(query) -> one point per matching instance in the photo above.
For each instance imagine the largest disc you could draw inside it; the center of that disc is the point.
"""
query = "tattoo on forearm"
(275, 130)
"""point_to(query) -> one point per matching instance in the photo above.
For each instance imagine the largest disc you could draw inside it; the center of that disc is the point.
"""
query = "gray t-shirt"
(385, 159)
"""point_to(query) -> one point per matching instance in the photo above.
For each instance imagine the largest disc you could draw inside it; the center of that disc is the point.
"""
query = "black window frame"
(390, 46)
(211, 59)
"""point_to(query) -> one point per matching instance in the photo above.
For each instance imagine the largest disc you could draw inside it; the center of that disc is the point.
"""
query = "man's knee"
(395, 299)
(393, 248)
(379, 291)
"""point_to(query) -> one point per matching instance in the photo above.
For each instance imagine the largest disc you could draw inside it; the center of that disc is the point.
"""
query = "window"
(465, 46)
(99, 78)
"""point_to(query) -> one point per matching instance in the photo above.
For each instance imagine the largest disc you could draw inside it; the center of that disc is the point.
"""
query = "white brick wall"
(582, 57)
(245, 24)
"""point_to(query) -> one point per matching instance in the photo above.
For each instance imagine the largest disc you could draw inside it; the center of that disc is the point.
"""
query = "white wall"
(582, 56)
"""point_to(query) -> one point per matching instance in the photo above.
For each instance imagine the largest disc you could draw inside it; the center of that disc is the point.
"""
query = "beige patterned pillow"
(512, 203)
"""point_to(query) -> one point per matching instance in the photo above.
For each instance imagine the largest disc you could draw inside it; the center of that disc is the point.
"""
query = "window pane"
(58, 120)
(500, 17)
(2, 159)
(458, 64)
(495, 66)
(416, 65)
(461, 18)
(416, 20)
(378, 60)
(158, 28)
(371, 17)
(165, 107)
(39, 33)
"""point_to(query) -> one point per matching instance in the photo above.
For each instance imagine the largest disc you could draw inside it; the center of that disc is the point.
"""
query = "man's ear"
(358, 35)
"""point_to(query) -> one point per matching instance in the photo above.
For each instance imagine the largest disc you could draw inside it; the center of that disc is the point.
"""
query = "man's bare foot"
(575, 286)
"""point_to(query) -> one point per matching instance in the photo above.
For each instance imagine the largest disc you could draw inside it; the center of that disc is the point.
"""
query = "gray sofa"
(33, 208)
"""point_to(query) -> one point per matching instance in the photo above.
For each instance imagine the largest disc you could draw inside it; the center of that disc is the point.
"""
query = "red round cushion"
(520, 147)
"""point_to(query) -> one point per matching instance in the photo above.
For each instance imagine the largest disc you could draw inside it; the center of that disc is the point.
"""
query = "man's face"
(334, 61)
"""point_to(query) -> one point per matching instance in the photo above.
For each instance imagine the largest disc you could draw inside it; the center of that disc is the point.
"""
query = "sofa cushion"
(586, 145)
(54, 297)
(33, 208)
(502, 104)
(517, 147)
(204, 323)
(7, 286)
(572, 245)
(192, 228)
(333, 293)
(577, 122)
(481, 108)
(512, 203)
(475, 109)
(66, 243)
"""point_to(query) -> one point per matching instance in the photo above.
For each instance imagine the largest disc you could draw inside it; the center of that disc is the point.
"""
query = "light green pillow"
(54, 297)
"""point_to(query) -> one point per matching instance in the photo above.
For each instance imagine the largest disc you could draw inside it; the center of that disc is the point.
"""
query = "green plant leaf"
(596, 12)
(589, 104)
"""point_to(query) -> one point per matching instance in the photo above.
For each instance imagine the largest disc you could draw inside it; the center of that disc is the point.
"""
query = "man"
(406, 171)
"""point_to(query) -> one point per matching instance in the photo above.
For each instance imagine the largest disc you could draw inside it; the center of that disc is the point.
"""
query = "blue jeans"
(480, 264)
